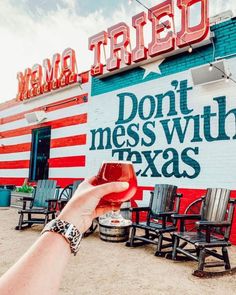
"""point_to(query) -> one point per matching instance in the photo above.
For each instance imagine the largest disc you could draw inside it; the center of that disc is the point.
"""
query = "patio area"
(110, 268)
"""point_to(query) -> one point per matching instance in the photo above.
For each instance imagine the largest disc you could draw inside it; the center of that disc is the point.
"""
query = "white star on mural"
(152, 68)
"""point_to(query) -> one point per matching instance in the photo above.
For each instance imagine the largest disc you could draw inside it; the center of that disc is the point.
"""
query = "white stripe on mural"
(16, 140)
(19, 173)
(68, 151)
(69, 172)
(53, 97)
(67, 131)
(55, 115)
(15, 156)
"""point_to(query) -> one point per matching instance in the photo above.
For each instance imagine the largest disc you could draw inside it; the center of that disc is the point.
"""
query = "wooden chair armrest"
(163, 214)
(186, 216)
(139, 209)
(183, 218)
(26, 199)
(203, 223)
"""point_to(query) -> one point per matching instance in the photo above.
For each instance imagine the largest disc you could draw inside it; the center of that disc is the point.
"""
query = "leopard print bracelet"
(67, 230)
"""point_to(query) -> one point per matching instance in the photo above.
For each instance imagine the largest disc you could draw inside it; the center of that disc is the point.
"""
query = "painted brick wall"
(217, 159)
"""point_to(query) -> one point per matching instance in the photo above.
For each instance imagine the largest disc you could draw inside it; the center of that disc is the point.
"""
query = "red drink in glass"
(117, 171)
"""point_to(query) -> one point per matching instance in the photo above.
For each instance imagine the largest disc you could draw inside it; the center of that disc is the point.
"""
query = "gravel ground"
(110, 268)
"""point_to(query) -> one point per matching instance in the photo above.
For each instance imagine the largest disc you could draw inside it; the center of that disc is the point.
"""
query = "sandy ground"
(110, 268)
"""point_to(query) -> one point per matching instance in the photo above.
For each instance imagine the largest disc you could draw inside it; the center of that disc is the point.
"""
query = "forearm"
(40, 270)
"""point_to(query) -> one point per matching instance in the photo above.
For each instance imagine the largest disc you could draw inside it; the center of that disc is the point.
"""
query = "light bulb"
(210, 67)
(130, 2)
(190, 50)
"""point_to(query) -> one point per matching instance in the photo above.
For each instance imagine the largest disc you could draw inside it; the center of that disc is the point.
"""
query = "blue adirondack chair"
(43, 202)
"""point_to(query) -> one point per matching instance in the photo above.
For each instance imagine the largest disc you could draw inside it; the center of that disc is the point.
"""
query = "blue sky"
(31, 30)
(80, 6)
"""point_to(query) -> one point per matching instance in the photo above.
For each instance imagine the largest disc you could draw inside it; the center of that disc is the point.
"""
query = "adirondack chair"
(164, 202)
(43, 202)
(212, 233)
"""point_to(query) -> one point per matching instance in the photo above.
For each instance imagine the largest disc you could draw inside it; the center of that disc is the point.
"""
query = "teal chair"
(43, 204)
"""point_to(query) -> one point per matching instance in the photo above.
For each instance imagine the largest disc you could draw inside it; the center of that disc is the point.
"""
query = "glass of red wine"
(117, 171)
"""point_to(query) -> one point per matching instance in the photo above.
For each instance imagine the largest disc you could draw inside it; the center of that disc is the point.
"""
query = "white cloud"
(27, 38)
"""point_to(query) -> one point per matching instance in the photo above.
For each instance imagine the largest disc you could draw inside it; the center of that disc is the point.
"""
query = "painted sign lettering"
(59, 72)
(120, 56)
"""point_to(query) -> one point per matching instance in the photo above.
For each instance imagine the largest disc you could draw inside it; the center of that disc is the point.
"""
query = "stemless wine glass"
(117, 171)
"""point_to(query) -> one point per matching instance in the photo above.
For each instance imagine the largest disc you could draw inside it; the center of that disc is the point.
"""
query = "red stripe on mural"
(63, 182)
(75, 161)
(68, 121)
(14, 164)
(49, 107)
(68, 141)
(57, 142)
(22, 147)
(12, 181)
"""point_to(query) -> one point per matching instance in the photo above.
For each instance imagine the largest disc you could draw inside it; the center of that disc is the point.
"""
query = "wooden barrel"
(114, 234)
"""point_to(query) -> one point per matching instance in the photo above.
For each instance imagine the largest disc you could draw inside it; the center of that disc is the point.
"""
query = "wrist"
(67, 230)
(73, 217)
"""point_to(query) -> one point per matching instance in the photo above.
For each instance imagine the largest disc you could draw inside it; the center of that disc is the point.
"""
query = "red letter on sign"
(197, 33)
(113, 62)
(160, 45)
(95, 43)
(36, 80)
(51, 72)
(23, 84)
(139, 53)
(68, 63)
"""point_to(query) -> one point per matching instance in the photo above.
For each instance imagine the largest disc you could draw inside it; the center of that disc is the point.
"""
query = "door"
(40, 153)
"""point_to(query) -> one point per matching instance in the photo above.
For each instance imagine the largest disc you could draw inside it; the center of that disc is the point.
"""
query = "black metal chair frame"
(207, 236)
(155, 230)
(49, 210)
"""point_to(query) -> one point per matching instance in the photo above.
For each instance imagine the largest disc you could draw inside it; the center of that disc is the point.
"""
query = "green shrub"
(25, 189)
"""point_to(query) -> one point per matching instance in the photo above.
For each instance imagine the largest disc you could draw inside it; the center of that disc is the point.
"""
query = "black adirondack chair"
(42, 203)
(164, 202)
(212, 232)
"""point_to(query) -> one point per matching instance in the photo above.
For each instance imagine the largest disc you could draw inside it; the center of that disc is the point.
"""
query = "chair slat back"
(215, 204)
(163, 198)
(76, 183)
(46, 189)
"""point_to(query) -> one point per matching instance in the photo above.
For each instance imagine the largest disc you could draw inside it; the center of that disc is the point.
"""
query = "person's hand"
(84, 205)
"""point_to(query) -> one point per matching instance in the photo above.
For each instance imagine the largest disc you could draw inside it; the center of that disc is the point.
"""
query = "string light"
(190, 49)
(130, 2)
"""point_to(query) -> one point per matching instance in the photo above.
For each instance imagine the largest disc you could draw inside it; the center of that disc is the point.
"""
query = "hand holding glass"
(117, 171)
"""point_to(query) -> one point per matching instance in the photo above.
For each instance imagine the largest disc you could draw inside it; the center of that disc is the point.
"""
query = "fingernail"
(124, 184)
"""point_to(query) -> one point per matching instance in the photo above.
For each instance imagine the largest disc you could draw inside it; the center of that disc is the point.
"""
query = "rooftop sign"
(120, 55)
(54, 74)
(62, 71)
